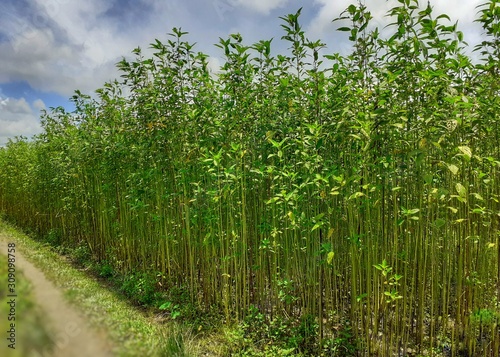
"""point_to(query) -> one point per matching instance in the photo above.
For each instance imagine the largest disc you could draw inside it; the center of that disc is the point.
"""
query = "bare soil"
(68, 328)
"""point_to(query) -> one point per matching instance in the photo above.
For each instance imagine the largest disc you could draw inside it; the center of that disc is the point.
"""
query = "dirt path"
(69, 330)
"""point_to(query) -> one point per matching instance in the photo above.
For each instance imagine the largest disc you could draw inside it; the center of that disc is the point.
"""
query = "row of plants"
(357, 194)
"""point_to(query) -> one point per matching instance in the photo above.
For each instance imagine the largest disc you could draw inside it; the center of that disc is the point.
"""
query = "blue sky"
(49, 48)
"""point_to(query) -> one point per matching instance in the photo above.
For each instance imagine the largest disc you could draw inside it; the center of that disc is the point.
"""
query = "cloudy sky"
(49, 48)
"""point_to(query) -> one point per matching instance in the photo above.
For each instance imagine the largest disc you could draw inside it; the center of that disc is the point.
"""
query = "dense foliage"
(359, 193)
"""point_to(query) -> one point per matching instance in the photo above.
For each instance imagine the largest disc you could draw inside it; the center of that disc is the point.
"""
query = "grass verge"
(31, 337)
(132, 330)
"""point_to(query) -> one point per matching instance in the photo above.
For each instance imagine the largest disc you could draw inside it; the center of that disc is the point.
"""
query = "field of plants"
(336, 205)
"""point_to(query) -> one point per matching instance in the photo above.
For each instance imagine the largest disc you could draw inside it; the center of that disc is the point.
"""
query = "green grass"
(32, 337)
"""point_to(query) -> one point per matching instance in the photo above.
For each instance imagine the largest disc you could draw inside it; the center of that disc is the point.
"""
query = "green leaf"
(439, 222)
(329, 258)
(428, 178)
(356, 195)
(478, 210)
(316, 226)
(413, 211)
(466, 151)
(453, 209)
(319, 216)
(462, 191)
(360, 298)
(453, 169)
(478, 196)
(165, 306)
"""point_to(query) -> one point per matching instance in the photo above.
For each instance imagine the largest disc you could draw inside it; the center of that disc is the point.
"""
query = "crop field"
(330, 205)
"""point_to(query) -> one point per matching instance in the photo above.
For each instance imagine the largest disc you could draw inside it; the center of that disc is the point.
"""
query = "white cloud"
(78, 20)
(77, 45)
(214, 64)
(15, 107)
(262, 6)
(463, 10)
(40, 60)
(39, 105)
(80, 55)
(18, 118)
